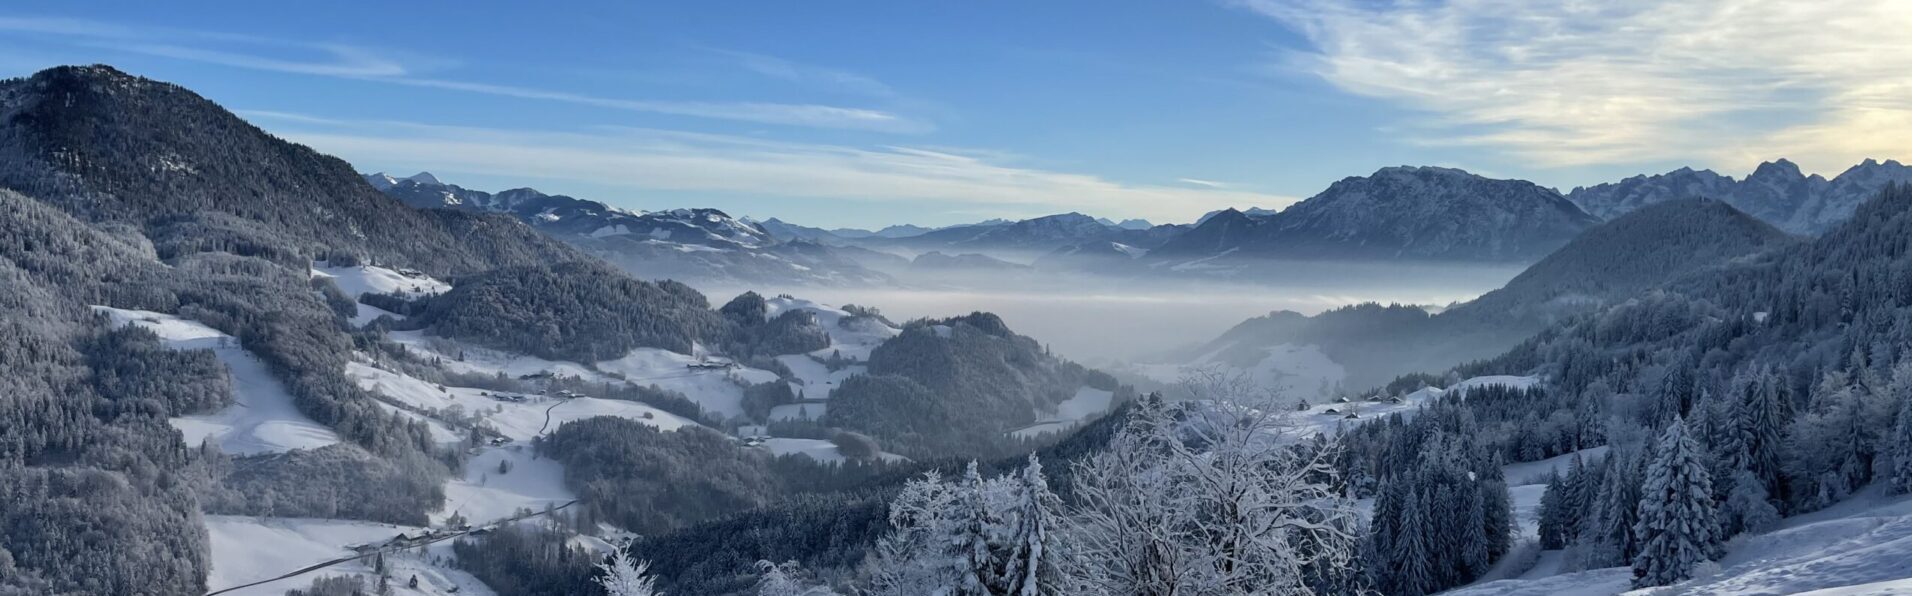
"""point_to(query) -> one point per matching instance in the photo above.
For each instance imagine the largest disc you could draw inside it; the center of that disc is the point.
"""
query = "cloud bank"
(1727, 82)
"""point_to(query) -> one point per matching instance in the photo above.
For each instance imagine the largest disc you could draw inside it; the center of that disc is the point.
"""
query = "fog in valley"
(1097, 319)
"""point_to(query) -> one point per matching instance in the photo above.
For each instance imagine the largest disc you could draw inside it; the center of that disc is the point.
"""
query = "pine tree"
(1610, 538)
(1553, 514)
(1898, 445)
(971, 540)
(625, 576)
(1767, 412)
(1677, 529)
(1412, 553)
(1031, 567)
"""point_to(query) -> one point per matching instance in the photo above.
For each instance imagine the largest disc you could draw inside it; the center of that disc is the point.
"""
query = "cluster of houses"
(1348, 411)
(506, 397)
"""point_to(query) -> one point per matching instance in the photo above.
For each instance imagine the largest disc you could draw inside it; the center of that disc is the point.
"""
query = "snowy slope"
(367, 279)
(1860, 546)
(817, 449)
(238, 557)
(1331, 417)
(717, 392)
(1293, 371)
(521, 421)
(483, 493)
(1086, 403)
(531, 482)
(853, 341)
(262, 418)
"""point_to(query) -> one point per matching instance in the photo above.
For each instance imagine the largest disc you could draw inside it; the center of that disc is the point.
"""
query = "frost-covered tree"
(624, 575)
(1208, 496)
(1899, 477)
(1747, 508)
(1412, 575)
(786, 580)
(975, 536)
(1677, 529)
(1031, 568)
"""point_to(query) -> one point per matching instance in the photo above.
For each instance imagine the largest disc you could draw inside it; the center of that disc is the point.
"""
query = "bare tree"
(1208, 496)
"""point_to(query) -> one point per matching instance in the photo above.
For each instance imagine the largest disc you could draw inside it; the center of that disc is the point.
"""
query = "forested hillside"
(1609, 264)
(956, 386)
(1771, 387)
(111, 147)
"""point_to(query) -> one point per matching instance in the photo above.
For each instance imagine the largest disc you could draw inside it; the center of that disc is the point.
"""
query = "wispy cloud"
(678, 161)
(361, 63)
(797, 72)
(1202, 183)
(1729, 82)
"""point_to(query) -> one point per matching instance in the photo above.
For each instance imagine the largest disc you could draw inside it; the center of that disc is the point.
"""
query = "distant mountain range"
(1776, 192)
(1608, 264)
(1405, 213)
(702, 245)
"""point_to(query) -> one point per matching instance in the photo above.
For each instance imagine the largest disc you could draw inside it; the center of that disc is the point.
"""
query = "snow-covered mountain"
(1039, 235)
(1606, 265)
(1777, 192)
(1397, 213)
(700, 245)
(1251, 211)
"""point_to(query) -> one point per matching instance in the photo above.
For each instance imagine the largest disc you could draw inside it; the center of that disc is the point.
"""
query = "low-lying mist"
(1094, 319)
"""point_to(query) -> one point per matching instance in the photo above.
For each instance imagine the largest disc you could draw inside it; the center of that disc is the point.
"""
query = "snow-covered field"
(262, 418)
(719, 392)
(240, 556)
(367, 279)
(854, 342)
(814, 379)
(1296, 372)
(817, 449)
(521, 421)
(484, 493)
(1331, 417)
(1086, 403)
(1860, 546)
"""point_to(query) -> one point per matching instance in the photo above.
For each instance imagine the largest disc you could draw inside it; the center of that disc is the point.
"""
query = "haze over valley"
(1275, 297)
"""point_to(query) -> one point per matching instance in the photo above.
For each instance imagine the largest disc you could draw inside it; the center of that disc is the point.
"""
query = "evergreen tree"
(1031, 569)
(1899, 478)
(1553, 514)
(1412, 553)
(1677, 529)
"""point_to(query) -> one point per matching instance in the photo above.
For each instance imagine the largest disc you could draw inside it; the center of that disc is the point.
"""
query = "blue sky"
(870, 113)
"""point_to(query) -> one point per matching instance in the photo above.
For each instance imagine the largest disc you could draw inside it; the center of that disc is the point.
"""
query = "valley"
(233, 362)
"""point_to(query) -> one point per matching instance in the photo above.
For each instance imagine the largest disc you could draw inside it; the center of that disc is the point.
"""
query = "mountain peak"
(1781, 167)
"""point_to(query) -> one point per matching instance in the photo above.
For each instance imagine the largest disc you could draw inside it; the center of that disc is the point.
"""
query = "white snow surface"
(1294, 371)
(368, 279)
(521, 421)
(853, 342)
(1859, 546)
(800, 411)
(814, 379)
(817, 449)
(484, 494)
(262, 418)
(1332, 416)
(1086, 403)
(248, 549)
(719, 392)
